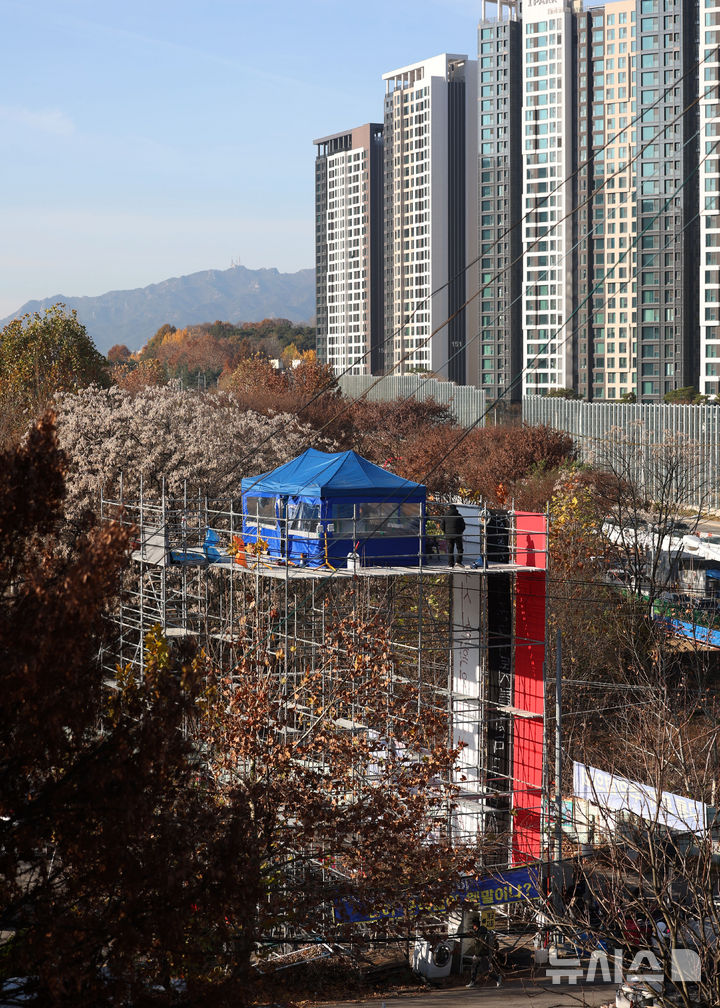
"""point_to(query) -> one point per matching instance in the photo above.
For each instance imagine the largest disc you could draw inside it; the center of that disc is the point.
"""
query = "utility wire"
(543, 349)
(540, 201)
(467, 430)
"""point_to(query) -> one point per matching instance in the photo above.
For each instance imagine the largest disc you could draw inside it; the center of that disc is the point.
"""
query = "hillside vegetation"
(208, 350)
(131, 316)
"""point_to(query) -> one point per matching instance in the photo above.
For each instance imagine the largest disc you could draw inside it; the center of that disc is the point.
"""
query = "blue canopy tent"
(314, 510)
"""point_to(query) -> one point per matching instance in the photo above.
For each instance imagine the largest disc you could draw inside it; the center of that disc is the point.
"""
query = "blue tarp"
(315, 508)
(333, 474)
(694, 631)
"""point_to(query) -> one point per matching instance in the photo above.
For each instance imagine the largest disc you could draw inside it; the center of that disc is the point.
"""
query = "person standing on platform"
(454, 528)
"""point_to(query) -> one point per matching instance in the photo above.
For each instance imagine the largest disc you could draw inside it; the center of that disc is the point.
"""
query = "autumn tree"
(133, 376)
(256, 383)
(115, 852)
(493, 464)
(153, 344)
(210, 347)
(118, 353)
(519, 462)
(344, 775)
(188, 353)
(390, 433)
(606, 640)
(41, 355)
(309, 391)
(648, 883)
(659, 492)
(290, 354)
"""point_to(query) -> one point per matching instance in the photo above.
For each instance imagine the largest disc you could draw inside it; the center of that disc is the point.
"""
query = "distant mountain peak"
(237, 294)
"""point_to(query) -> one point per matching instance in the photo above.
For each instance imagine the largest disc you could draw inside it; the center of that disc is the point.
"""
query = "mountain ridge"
(237, 294)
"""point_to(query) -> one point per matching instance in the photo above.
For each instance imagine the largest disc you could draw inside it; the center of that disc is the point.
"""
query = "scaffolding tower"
(458, 634)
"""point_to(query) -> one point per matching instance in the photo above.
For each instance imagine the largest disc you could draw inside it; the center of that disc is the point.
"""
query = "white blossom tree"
(205, 439)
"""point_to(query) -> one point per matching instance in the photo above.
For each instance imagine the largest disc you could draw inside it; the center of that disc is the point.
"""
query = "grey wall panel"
(466, 403)
(596, 426)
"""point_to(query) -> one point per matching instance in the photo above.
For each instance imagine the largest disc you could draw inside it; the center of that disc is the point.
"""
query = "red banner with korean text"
(531, 543)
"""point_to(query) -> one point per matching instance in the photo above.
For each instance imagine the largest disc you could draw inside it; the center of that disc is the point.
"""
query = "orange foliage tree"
(211, 349)
(520, 462)
(192, 351)
(117, 353)
(132, 376)
(308, 390)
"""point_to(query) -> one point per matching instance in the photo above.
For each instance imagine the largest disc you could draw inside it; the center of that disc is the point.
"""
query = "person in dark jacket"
(454, 528)
(484, 961)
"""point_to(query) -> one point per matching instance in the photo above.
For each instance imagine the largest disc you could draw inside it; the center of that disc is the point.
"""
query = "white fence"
(595, 427)
(466, 402)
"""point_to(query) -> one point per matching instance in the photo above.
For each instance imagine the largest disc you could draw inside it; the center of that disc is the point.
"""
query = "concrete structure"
(430, 196)
(348, 249)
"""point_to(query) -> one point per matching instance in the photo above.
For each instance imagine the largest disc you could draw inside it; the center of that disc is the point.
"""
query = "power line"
(466, 431)
(541, 200)
(528, 366)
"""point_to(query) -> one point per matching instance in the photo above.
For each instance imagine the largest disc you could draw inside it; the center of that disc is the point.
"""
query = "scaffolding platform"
(293, 573)
(453, 632)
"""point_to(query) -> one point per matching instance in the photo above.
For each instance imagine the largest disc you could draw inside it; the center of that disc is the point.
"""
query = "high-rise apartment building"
(607, 177)
(627, 232)
(577, 208)
(548, 140)
(349, 249)
(430, 204)
(709, 308)
(667, 196)
(495, 356)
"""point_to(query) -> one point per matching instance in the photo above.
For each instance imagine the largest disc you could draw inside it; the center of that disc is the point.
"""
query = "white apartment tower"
(548, 131)
(607, 202)
(430, 129)
(348, 249)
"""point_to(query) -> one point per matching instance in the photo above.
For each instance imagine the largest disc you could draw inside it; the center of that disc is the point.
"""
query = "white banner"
(466, 683)
(466, 635)
(612, 792)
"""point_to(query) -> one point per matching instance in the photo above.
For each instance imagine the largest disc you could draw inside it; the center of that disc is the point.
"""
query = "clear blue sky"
(147, 140)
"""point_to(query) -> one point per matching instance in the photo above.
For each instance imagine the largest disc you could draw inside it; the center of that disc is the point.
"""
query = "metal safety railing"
(274, 532)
